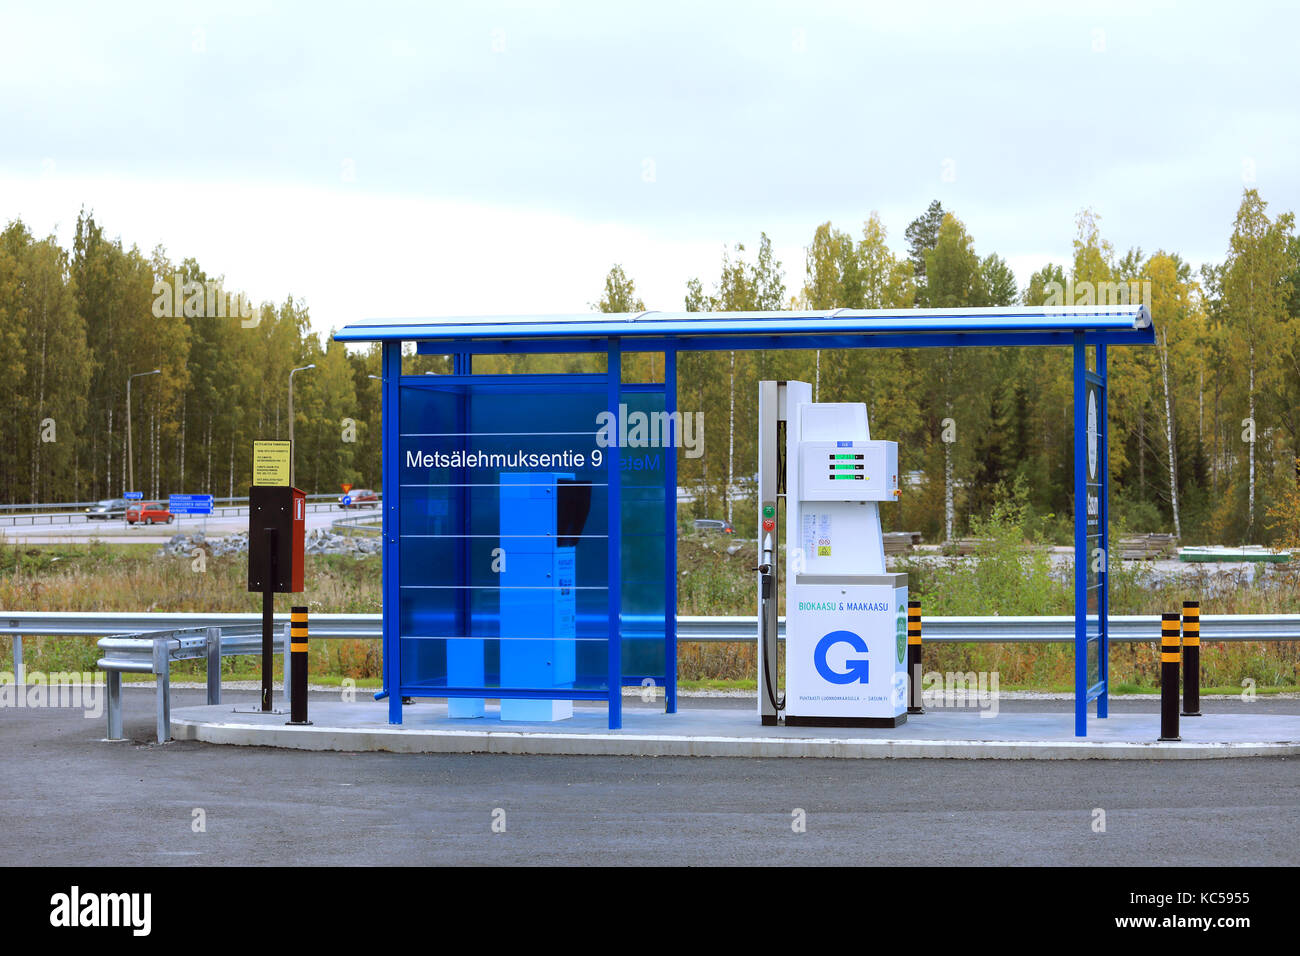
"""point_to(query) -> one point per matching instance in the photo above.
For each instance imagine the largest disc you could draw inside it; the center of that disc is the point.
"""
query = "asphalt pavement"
(69, 798)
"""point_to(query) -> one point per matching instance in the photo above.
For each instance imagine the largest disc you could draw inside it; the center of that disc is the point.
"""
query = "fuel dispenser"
(542, 516)
(821, 479)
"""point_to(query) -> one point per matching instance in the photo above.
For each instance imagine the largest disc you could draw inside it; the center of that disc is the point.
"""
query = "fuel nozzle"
(765, 569)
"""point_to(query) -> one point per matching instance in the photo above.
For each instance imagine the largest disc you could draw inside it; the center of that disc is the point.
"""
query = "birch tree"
(1255, 295)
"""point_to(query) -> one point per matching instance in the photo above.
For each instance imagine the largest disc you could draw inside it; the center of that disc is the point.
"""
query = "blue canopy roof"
(836, 328)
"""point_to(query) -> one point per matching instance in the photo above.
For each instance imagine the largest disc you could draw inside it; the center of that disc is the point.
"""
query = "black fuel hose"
(779, 704)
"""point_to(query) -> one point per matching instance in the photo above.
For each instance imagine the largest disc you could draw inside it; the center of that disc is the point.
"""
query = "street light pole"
(291, 371)
(130, 460)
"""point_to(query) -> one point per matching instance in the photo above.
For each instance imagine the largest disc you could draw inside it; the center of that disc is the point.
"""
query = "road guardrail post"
(1191, 658)
(114, 710)
(162, 669)
(214, 665)
(914, 658)
(1169, 661)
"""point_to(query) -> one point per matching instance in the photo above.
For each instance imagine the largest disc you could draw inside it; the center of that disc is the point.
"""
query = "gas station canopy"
(587, 603)
(836, 328)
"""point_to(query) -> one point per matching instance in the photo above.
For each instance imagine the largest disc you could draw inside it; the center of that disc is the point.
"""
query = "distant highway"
(74, 527)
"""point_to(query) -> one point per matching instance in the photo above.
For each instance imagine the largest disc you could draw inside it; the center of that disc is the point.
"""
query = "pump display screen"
(846, 467)
(828, 467)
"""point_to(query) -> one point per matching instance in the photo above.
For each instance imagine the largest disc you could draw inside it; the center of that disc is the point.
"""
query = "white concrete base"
(698, 732)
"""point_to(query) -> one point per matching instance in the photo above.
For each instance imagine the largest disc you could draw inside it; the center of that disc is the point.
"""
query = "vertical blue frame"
(1083, 691)
(391, 370)
(670, 535)
(1080, 541)
(1103, 598)
(613, 464)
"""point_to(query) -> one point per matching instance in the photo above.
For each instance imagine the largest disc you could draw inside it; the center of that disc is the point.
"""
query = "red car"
(359, 498)
(148, 512)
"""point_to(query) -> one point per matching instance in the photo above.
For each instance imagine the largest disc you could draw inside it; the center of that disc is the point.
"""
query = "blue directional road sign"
(189, 504)
(133, 495)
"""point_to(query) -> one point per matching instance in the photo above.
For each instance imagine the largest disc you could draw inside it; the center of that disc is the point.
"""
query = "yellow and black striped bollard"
(914, 658)
(298, 663)
(1169, 660)
(1191, 658)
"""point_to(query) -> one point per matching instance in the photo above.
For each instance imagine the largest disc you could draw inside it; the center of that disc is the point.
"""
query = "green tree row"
(76, 326)
(1204, 427)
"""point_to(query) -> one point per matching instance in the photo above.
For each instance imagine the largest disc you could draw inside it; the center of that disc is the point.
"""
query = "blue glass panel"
(643, 462)
(503, 537)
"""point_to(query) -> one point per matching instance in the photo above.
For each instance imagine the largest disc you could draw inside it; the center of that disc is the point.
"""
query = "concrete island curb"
(624, 743)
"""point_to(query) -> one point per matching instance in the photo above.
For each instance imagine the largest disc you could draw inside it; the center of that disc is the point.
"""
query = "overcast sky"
(444, 158)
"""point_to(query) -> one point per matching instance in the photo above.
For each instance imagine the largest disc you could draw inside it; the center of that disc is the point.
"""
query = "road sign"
(133, 495)
(189, 504)
(271, 463)
(347, 501)
(346, 488)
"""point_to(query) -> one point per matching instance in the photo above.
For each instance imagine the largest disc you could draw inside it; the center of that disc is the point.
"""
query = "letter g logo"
(857, 668)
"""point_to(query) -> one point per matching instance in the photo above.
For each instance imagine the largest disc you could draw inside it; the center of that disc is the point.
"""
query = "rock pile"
(323, 541)
(318, 541)
(183, 545)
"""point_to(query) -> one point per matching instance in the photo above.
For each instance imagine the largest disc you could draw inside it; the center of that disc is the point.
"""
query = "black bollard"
(1191, 658)
(298, 664)
(1169, 660)
(914, 658)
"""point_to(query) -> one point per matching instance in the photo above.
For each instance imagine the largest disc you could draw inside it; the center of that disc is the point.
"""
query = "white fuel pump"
(846, 616)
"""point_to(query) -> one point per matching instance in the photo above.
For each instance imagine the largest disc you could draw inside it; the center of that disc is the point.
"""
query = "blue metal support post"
(614, 378)
(670, 534)
(391, 370)
(1080, 540)
(1103, 597)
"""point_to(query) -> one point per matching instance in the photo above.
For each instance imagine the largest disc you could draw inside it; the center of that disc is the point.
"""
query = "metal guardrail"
(367, 523)
(111, 623)
(1035, 630)
(147, 643)
(988, 629)
(154, 652)
(1060, 629)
